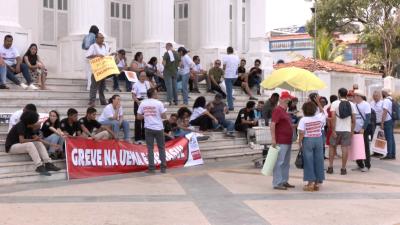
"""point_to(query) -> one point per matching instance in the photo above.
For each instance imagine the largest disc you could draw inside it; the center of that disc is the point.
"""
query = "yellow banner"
(103, 67)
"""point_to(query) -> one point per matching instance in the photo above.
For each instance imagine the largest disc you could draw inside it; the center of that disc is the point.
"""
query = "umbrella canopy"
(290, 78)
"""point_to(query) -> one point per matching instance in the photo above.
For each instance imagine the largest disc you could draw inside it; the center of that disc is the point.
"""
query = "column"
(9, 16)
(85, 13)
(214, 28)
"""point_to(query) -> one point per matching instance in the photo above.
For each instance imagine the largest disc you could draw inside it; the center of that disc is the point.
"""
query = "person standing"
(363, 118)
(269, 107)
(343, 122)
(186, 68)
(88, 41)
(152, 111)
(377, 109)
(98, 49)
(387, 125)
(14, 64)
(311, 143)
(231, 64)
(113, 116)
(282, 134)
(171, 61)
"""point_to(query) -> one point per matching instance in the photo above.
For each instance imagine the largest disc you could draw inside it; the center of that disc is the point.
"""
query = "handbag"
(299, 159)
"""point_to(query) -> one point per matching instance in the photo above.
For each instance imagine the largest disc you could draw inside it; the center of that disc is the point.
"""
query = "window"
(54, 21)
(182, 22)
(121, 24)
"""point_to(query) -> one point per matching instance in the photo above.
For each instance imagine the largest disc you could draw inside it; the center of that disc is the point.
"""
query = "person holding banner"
(92, 129)
(282, 135)
(152, 111)
(98, 49)
(363, 118)
(113, 116)
(139, 93)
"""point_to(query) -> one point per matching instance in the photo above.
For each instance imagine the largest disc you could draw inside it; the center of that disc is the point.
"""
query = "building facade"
(205, 27)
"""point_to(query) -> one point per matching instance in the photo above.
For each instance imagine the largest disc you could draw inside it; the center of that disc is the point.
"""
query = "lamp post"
(314, 11)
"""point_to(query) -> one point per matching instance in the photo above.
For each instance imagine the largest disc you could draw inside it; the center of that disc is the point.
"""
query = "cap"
(359, 92)
(285, 95)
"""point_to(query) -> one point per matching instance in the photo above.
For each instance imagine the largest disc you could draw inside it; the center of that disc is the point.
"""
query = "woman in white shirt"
(311, 143)
(201, 116)
(113, 116)
(139, 93)
(184, 71)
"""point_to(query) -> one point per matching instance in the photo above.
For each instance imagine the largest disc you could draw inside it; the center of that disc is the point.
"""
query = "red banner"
(90, 158)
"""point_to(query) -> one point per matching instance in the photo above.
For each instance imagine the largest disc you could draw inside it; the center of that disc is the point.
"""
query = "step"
(24, 166)
(228, 149)
(31, 177)
(251, 155)
(211, 143)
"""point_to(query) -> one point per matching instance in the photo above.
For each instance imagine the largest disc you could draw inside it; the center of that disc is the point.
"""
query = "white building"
(206, 27)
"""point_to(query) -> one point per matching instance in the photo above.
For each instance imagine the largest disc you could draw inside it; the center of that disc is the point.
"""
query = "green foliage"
(327, 49)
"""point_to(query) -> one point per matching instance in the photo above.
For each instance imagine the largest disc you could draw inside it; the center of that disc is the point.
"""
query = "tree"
(376, 19)
(327, 49)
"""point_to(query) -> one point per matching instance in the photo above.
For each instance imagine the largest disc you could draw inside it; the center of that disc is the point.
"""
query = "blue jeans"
(229, 88)
(116, 126)
(170, 84)
(313, 159)
(229, 125)
(281, 169)
(185, 88)
(54, 139)
(389, 136)
(3, 75)
(25, 72)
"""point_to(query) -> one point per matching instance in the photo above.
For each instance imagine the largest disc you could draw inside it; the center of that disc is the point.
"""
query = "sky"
(285, 13)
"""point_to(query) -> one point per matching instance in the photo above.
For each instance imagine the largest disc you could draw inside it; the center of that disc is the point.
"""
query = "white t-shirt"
(343, 125)
(121, 63)
(96, 49)
(197, 68)
(197, 113)
(387, 104)
(365, 109)
(378, 108)
(312, 126)
(140, 89)
(14, 119)
(9, 55)
(108, 112)
(232, 63)
(152, 109)
(187, 63)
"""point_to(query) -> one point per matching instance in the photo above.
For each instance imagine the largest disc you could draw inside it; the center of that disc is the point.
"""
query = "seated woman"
(113, 116)
(154, 73)
(201, 116)
(22, 139)
(138, 65)
(120, 60)
(36, 66)
(52, 133)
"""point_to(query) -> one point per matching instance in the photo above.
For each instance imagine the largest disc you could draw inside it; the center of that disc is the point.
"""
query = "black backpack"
(344, 109)
(395, 110)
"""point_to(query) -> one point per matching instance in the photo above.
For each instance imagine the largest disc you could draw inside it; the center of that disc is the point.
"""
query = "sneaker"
(287, 185)
(343, 171)
(230, 134)
(42, 171)
(3, 86)
(51, 167)
(281, 188)
(329, 170)
(33, 87)
(364, 169)
(117, 90)
(24, 86)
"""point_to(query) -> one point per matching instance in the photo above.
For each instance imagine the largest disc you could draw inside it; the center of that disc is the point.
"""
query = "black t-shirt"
(70, 129)
(244, 114)
(241, 70)
(90, 125)
(18, 130)
(168, 127)
(46, 128)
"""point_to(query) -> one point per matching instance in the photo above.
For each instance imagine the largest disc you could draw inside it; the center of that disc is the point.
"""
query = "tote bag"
(270, 161)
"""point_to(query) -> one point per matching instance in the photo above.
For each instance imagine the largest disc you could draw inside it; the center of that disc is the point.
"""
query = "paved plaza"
(229, 192)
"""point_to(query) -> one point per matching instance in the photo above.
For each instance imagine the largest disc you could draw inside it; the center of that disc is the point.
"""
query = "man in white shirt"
(152, 111)
(387, 124)
(198, 75)
(231, 64)
(363, 118)
(342, 129)
(98, 49)
(14, 119)
(14, 64)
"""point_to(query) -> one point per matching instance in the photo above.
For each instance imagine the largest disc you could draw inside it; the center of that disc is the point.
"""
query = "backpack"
(87, 41)
(344, 110)
(395, 110)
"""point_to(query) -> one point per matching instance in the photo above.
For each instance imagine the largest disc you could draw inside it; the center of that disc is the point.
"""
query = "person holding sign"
(152, 111)
(139, 93)
(98, 49)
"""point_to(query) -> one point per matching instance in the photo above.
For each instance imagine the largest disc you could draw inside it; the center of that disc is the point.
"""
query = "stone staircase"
(67, 93)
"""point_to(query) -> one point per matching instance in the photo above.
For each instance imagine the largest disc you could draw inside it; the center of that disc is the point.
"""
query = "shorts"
(343, 138)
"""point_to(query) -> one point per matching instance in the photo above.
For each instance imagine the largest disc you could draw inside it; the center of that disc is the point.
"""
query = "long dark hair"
(94, 29)
(153, 61)
(32, 58)
(199, 102)
(137, 56)
(111, 100)
(58, 117)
